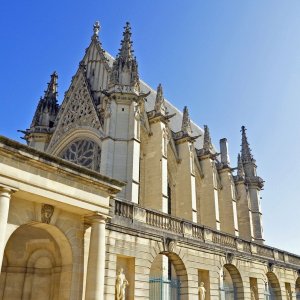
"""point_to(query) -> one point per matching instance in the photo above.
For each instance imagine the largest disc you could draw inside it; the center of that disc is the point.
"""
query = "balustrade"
(223, 239)
(185, 228)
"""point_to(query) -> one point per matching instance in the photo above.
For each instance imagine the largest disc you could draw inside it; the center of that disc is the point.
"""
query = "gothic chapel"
(118, 195)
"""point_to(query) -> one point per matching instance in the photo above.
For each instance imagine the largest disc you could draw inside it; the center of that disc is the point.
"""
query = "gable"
(97, 68)
(77, 111)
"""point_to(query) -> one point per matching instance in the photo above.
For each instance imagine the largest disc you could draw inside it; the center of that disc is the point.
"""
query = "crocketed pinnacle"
(51, 92)
(206, 139)
(240, 168)
(160, 101)
(246, 151)
(186, 122)
(125, 68)
(47, 108)
(126, 51)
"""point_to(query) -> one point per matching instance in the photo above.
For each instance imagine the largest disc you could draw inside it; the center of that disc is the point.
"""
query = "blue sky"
(231, 62)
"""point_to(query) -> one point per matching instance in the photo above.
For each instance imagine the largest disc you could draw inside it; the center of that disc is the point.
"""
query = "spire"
(160, 106)
(186, 122)
(125, 68)
(206, 139)
(240, 168)
(246, 151)
(126, 51)
(51, 92)
(96, 29)
(47, 108)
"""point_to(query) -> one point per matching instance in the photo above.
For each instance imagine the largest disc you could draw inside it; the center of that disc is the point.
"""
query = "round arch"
(43, 257)
(273, 286)
(297, 288)
(232, 282)
(175, 277)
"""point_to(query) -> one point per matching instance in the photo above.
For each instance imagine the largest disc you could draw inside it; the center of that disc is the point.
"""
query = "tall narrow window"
(169, 200)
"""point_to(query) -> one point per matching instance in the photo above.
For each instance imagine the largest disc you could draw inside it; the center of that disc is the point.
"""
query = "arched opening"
(272, 287)
(297, 288)
(231, 284)
(168, 278)
(37, 264)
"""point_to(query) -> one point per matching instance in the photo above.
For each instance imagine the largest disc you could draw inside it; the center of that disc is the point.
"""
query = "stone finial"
(186, 122)
(240, 168)
(207, 145)
(96, 29)
(160, 106)
(246, 151)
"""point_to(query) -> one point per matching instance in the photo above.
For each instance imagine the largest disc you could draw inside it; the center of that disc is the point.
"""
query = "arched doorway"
(37, 264)
(231, 284)
(168, 278)
(272, 287)
(297, 288)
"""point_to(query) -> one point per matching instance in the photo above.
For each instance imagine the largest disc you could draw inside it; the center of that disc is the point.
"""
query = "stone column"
(96, 261)
(5, 194)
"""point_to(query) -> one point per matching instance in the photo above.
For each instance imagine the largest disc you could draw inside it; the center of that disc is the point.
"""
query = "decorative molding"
(77, 110)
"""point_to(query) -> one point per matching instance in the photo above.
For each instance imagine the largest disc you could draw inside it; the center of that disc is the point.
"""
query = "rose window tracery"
(85, 153)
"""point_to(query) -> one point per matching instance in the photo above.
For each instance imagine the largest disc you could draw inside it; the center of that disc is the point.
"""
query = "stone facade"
(176, 216)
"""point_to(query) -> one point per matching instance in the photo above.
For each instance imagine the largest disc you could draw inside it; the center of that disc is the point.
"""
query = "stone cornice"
(43, 160)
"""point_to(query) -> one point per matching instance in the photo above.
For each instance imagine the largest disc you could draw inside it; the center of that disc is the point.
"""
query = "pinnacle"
(240, 167)
(51, 91)
(126, 44)
(160, 101)
(246, 151)
(206, 139)
(186, 122)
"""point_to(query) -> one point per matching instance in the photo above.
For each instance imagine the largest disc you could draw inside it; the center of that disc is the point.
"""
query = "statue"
(121, 284)
(253, 293)
(201, 291)
(96, 28)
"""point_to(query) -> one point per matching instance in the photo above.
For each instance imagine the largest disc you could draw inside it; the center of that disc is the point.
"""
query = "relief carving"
(46, 213)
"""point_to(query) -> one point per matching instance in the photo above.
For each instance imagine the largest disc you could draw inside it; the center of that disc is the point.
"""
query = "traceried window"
(85, 153)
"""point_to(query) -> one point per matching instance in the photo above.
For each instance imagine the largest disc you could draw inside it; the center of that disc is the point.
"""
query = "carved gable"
(77, 111)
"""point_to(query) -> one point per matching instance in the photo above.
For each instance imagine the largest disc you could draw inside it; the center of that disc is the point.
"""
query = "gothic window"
(85, 153)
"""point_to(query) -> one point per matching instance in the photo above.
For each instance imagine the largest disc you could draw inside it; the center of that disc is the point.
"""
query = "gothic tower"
(254, 184)
(38, 136)
(122, 106)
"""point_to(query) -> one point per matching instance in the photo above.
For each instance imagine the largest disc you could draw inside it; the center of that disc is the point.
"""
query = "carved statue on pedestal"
(121, 284)
(253, 293)
(201, 291)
